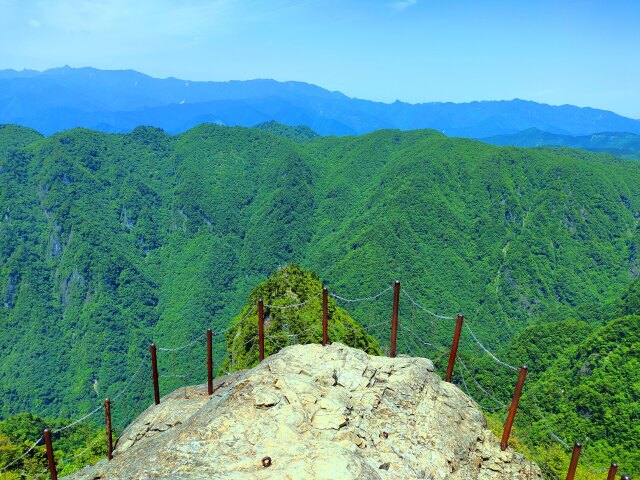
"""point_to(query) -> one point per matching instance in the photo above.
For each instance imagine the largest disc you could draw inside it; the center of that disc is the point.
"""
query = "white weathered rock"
(319, 413)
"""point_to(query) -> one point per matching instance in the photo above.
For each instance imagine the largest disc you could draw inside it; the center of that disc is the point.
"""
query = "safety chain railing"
(412, 338)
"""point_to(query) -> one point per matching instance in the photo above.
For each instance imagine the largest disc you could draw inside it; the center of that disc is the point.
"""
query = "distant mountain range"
(625, 145)
(118, 101)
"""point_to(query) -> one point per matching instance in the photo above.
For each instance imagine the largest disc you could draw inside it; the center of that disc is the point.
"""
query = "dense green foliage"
(287, 287)
(592, 393)
(583, 386)
(299, 133)
(74, 448)
(108, 242)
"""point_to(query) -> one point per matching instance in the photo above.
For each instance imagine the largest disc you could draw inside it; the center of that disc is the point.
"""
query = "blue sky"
(585, 53)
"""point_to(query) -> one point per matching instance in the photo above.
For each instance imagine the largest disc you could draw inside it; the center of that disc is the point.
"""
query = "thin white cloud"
(73, 31)
(401, 5)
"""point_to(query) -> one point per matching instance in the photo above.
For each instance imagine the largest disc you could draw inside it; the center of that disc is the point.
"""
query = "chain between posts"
(47, 434)
(27, 452)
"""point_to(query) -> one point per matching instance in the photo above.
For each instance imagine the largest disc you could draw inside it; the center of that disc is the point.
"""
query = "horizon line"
(397, 101)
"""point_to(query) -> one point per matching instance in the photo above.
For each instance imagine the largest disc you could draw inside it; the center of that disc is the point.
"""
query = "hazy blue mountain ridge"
(118, 101)
(617, 143)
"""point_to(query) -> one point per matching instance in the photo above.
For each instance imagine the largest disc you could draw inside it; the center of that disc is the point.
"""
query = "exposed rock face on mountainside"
(318, 413)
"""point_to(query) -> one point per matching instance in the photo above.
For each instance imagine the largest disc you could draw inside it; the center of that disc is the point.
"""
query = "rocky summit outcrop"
(317, 413)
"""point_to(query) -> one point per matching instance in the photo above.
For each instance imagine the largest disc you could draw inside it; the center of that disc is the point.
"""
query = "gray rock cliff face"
(318, 413)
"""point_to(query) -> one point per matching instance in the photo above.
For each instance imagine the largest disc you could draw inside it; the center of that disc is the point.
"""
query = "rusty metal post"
(613, 469)
(50, 459)
(325, 316)
(154, 373)
(513, 408)
(625, 477)
(454, 348)
(394, 318)
(575, 456)
(261, 329)
(107, 421)
(209, 361)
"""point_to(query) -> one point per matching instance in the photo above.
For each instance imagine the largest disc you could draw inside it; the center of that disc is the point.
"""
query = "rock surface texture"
(318, 413)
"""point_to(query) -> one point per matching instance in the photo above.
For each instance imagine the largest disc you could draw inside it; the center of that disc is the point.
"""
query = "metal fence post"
(154, 373)
(209, 361)
(325, 316)
(513, 408)
(107, 421)
(261, 329)
(575, 456)
(454, 348)
(394, 318)
(50, 458)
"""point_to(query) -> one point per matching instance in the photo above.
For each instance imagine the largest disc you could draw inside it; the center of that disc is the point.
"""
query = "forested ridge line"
(111, 240)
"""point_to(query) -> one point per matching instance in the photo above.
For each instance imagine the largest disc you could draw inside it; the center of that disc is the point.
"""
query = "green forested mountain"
(292, 306)
(110, 241)
(591, 393)
(82, 444)
(585, 382)
(582, 387)
(299, 133)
